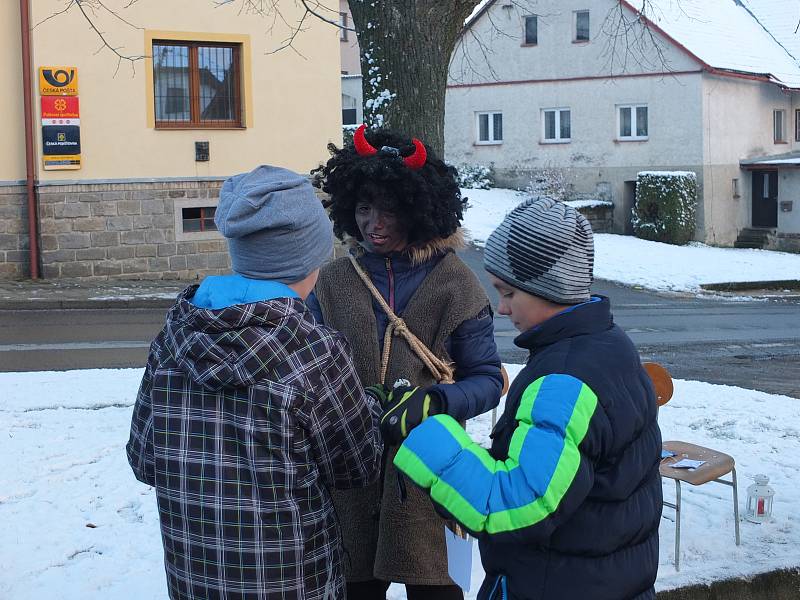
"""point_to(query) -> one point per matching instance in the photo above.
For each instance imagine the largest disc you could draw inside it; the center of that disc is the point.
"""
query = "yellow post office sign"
(58, 81)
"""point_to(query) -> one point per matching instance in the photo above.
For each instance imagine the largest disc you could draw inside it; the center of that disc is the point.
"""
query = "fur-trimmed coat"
(443, 303)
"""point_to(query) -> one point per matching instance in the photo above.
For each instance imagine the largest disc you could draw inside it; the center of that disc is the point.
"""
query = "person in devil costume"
(401, 208)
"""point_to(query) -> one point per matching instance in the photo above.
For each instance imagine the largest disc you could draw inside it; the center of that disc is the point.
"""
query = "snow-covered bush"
(478, 177)
(665, 206)
(347, 134)
(552, 182)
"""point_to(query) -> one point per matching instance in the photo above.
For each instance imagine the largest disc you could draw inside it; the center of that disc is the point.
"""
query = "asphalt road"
(748, 344)
(752, 344)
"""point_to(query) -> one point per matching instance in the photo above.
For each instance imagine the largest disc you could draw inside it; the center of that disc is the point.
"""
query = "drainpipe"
(27, 69)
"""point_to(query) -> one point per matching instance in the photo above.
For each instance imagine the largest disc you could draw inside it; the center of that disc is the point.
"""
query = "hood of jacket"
(236, 346)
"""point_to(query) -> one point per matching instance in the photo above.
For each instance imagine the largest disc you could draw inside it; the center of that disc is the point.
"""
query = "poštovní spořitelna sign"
(61, 133)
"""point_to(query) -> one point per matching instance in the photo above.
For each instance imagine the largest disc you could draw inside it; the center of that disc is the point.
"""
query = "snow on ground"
(77, 526)
(652, 265)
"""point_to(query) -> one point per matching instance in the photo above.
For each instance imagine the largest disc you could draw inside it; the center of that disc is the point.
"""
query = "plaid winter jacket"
(245, 418)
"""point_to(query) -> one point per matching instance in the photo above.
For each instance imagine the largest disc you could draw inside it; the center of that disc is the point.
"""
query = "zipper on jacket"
(500, 582)
(391, 282)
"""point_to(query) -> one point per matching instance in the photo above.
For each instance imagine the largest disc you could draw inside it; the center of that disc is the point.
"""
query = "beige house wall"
(12, 150)
(737, 124)
(351, 60)
(118, 141)
(121, 215)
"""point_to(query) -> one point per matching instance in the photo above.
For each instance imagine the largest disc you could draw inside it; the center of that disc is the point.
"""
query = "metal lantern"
(759, 500)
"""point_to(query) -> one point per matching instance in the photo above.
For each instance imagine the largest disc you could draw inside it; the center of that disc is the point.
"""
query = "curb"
(735, 286)
(82, 304)
(782, 584)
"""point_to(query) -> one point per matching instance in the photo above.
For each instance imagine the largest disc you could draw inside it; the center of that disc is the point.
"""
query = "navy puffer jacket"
(567, 502)
(472, 346)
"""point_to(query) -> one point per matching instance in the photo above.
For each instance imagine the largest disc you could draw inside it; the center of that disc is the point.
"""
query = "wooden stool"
(717, 464)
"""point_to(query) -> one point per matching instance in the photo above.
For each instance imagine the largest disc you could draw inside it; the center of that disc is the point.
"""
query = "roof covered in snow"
(787, 159)
(753, 37)
(734, 35)
(780, 18)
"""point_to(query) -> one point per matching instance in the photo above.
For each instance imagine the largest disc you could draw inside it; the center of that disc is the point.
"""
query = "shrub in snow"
(551, 182)
(665, 206)
(347, 134)
(478, 177)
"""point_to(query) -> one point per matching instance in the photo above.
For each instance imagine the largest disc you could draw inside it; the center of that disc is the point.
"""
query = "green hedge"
(665, 206)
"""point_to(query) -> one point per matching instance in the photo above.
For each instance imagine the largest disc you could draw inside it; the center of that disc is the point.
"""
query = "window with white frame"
(797, 125)
(531, 30)
(490, 127)
(556, 125)
(581, 26)
(632, 122)
(779, 126)
(194, 219)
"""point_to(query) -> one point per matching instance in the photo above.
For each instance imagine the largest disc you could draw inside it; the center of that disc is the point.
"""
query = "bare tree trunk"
(406, 47)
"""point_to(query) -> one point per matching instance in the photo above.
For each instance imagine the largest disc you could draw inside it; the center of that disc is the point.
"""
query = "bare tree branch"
(85, 7)
(289, 42)
(630, 39)
(55, 14)
(120, 57)
(117, 15)
(323, 19)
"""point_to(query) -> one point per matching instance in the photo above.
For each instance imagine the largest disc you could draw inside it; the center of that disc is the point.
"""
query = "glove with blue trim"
(405, 408)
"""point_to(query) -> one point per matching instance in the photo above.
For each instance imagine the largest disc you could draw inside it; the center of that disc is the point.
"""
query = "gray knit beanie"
(545, 248)
(276, 226)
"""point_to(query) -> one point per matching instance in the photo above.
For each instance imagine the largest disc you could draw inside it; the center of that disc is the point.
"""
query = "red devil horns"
(364, 148)
(416, 160)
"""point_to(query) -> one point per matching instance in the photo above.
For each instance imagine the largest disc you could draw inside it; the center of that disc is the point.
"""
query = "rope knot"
(399, 326)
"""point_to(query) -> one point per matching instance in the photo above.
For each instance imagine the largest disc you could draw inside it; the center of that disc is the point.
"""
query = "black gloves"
(404, 409)
(379, 392)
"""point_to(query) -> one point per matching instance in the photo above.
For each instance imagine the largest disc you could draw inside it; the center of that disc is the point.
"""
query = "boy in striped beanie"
(567, 502)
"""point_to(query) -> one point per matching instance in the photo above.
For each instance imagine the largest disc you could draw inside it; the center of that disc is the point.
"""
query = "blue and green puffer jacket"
(566, 504)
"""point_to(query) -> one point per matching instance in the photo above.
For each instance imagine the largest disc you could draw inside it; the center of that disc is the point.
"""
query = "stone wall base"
(14, 255)
(127, 230)
(783, 584)
(130, 230)
(784, 242)
(601, 218)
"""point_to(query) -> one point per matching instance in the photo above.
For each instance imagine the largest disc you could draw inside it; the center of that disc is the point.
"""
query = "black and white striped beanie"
(545, 248)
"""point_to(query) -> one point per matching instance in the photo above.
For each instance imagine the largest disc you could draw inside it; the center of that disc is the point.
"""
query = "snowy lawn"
(76, 525)
(652, 265)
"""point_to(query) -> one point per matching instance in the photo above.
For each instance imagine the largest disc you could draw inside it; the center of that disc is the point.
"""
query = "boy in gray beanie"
(567, 502)
(250, 412)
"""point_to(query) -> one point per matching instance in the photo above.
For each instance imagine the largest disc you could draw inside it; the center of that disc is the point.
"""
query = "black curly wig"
(427, 201)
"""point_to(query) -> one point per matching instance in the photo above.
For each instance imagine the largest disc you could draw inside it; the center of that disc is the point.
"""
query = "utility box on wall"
(786, 205)
(201, 152)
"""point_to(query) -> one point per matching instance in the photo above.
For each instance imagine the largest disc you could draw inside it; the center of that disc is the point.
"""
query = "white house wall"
(352, 95)
(498, 37)
(789, 190)
(737, 120)
(558, 73)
